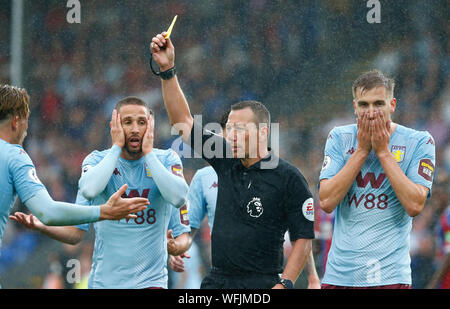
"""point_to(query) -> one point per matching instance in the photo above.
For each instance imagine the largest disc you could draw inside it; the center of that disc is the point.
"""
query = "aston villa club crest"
(398, 152)
(254, 207)
(147, 171)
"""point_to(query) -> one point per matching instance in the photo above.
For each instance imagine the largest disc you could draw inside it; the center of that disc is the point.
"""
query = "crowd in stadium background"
(299, 59)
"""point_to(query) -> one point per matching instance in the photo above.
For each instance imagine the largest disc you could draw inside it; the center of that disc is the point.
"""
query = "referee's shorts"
(218, 279)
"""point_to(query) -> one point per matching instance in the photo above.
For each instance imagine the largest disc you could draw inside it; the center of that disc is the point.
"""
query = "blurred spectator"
(422, 250)
(54, 278)
(85, 259)
(441, 278)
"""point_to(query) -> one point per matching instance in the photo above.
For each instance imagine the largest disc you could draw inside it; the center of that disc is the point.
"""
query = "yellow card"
(169, 31)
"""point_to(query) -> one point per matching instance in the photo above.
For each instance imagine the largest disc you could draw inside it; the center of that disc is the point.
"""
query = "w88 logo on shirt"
(369, 200)
(146, 216)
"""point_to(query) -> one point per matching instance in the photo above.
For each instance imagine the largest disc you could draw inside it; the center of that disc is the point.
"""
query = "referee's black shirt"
(255, 207)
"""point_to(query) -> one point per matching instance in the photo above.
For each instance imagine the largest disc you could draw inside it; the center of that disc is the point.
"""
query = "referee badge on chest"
(255, 208)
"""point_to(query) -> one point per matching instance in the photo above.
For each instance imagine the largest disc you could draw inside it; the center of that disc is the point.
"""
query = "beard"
(133, 150)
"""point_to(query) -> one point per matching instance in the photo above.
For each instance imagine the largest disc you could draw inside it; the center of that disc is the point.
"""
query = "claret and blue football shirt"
(132, 253)
(203, 197)
(370, 244)
(18, 179)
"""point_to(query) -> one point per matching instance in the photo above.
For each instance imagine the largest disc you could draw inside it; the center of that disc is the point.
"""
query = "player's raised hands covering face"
(363, 132)
(147, 143)
(380, 129)
(117, 133)
(163, 51)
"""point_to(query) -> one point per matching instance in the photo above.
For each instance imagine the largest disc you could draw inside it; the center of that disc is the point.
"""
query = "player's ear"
(266, 132)
(262, 132)
(354, 108)
(15, 122)
(152, 120)
(393, 104)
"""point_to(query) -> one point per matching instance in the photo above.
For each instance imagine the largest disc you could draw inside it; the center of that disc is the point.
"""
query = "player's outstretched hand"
(163, 51)
(28, 221)
(176, 263)
(117, 134)
(363, 132)
(117, 208)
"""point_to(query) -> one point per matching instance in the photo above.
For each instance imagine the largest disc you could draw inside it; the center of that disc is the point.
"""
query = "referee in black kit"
(260, 196)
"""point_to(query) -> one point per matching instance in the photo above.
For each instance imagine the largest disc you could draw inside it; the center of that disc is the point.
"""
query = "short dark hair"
(14, 101)
(224, 119)
(262, 114)
(132, 101)
(373, 79)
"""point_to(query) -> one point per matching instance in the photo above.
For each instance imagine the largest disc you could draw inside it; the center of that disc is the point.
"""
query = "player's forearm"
(310, 267)
(332, 191)
(182, 244)
(51, 212)
(177, 106)
(411, 195)
(193, 233)
(67, 234)
(173, 188)
(95, 179)
(297, 259)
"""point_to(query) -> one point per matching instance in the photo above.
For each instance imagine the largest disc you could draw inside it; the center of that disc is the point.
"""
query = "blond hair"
(14, 101)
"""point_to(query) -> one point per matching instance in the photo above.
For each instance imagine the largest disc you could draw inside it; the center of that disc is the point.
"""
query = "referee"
(257, 201)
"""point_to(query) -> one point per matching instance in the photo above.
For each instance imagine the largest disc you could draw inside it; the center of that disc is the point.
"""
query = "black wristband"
(168, 74)
(164, 75)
